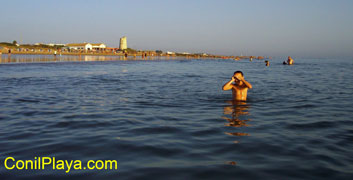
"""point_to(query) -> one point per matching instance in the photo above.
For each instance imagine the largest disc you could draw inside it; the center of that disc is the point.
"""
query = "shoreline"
(137, 55)
(140, 54)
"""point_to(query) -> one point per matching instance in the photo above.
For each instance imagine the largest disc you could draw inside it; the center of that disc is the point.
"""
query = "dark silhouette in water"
(267, 63)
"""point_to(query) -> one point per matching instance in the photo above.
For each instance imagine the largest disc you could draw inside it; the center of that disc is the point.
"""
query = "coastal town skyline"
(269, 28)
(88, 47)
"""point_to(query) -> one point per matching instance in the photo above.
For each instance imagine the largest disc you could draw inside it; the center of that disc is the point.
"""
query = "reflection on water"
(17, 58)
(57, 58)
(236, 114)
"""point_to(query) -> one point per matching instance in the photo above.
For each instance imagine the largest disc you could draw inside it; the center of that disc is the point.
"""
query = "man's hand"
(228, 86)
(233, 79)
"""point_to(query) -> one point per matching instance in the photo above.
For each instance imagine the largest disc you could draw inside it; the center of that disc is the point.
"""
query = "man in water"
(239, 88)
(290, 61)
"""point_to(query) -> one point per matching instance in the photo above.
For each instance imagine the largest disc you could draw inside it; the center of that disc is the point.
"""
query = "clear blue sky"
(300, 28)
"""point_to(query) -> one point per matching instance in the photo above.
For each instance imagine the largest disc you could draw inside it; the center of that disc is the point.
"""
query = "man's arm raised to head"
(247, 84)
(228, 86)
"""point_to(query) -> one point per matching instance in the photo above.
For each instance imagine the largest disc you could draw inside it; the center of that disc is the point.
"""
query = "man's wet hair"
(239, 72)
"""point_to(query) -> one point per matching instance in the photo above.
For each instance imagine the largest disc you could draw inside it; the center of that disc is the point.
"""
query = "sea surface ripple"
(170, 119)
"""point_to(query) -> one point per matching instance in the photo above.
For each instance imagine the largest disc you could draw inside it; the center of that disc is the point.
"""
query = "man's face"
(237, 76)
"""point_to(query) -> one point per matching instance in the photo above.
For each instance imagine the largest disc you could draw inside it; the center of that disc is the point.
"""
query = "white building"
(98, 46)
(80, 46)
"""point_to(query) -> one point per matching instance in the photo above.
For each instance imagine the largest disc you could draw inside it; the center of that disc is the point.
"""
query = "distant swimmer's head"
(267, 63)
(238, 75)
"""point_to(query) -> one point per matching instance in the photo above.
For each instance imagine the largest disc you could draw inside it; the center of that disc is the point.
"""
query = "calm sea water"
(169, 119)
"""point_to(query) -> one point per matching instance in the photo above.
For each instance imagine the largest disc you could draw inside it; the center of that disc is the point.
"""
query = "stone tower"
(123, 43)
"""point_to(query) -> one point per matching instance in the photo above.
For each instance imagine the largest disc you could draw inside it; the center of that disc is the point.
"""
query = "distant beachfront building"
(80, 46)
(202, 54)
(123, 43)
(98, 47)
(86, 46)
